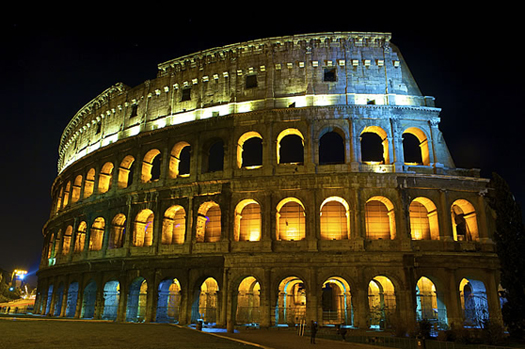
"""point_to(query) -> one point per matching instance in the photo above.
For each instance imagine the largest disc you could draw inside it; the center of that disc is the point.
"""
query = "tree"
(510, 245)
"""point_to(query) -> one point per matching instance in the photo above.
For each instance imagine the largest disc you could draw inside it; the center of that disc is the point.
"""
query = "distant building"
(274, 181)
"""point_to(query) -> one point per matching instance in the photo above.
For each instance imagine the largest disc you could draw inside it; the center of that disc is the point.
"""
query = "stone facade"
(273, 182)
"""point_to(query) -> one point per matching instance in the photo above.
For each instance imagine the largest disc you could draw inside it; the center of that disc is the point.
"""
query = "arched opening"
(151, 165)
(290, 221)
(291, 303)
(336, 302)
(118, 231)
(125, 172)
(169, 301)
(205, 306)
(80, 237)
(464, 221)
(374, 146)
(332, 148)
(49, 298)
(473, 298)
(423, 219)
(247, 225)
(335, 223)
(59, 199)
(143, 229)
(290, 147)
(66, 241)
(249, 150)
(174, 226)
(77, 185)
(379, 219)
(415, 147)
(208, 223)
(381, 302)
(111, 300)
(429, 304)
(89, 183)
(248, 302)
(214, 158)
(89, 299)
(59, 296)
(137, 300)
(180, 160)
(105, 178)
(72, 298)
(96, 234)
(66, 194)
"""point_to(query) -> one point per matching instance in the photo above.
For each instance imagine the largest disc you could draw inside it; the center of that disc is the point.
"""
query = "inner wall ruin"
(269, 182)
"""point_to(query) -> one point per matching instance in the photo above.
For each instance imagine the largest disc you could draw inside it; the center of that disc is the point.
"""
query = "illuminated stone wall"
(273, 181)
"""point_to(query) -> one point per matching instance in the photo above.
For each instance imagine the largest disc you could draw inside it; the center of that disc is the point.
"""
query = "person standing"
(313, 331)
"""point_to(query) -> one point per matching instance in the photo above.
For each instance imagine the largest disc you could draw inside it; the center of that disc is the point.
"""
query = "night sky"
(471, 62)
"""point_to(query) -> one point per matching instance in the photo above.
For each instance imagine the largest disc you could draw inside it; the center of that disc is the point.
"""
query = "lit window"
(290, 220)
(334, 219)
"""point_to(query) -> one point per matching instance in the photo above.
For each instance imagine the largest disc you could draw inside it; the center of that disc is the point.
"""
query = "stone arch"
(77, 186)
(208, 227)
(381, 302)
(336, 302)
(137, 300)
(105, 177)
(59, 297)
(423, 219)
(380, 218)
(290, 220)
(374, 145)
(335, 219)
(151, 166)
(72, 298)
(89, 183)
(143, 228)
(474, 302)
(248, 301)
(415, 147)
(464, 221)
(247, 224)
(169, 301)
(59, 199)
(125, 172)
(111, 300)
(206, 302)
(291, 301)
(89, 299)
(290, 147)
(67, 189)
(118, 231)
(332, 146)
(429, 302)
(80, 237)
(96, 234)
(180, 158)
(174, 225)
(249, 150)
(213, 156)
(66, 240)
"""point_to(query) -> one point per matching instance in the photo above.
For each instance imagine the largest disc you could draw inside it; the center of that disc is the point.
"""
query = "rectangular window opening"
(330, 74)
(251, 81)
(186, 94)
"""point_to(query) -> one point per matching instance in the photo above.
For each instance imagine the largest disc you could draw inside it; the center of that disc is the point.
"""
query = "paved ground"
(36, 332)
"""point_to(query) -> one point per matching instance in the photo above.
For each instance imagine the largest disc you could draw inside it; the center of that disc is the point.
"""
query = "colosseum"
(269, 183)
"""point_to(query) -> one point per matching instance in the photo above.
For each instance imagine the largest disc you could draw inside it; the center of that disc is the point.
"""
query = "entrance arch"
(72, 296)
(88, 300)
(336, 302)
(473, 297)
(169, 301)
(291, 303)
(429, 303)
(381, 302)
(248, 301)
(111, 300)
(205, 304)
(137, 300)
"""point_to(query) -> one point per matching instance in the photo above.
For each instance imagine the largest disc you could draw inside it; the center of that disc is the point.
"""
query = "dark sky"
(471, 62)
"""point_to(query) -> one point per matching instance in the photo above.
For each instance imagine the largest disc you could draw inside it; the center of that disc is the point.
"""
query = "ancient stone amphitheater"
(269, 182)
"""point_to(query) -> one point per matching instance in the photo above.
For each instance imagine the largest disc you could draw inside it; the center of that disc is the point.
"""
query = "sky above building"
(53, 65)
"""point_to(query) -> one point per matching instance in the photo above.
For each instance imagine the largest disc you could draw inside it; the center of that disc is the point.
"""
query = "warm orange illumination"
(379, 217)
(290, 220)
(247, 221)
(384, 140)
(208, 300)
(80, 237)
(175, 160)
(89, 183)
(125, 172)
(240, 149)
(334, 219)
(423, 143)
(423, 219)
(336, 301)
(66, 194)
(96, 234)
(208, 223)
(118, 229)
(287, 132)
(147, 165)
(248, 301)
(427, 304)
(143, 228)
(464, 221)
(291, 304)
(105, 178)
(66, 241)
(174, 226)
(381, 302)
(77, 186)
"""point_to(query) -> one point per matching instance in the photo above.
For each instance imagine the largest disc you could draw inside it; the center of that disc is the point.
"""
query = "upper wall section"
(344, 68)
